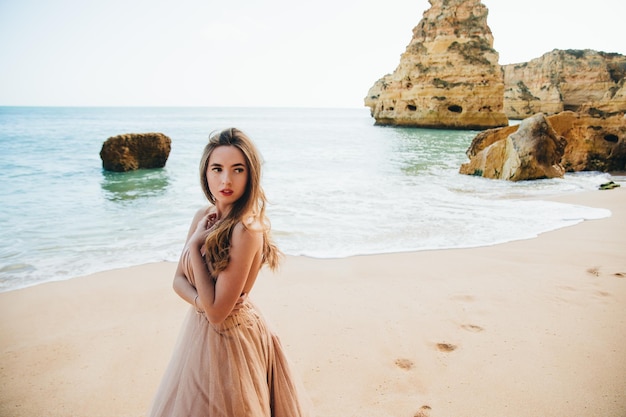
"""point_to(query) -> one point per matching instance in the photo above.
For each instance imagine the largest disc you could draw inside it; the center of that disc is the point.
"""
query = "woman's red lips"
(226, 192)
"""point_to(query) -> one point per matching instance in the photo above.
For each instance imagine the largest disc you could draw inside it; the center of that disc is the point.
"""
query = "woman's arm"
(183, 288)
(181, 285)
(218, 298)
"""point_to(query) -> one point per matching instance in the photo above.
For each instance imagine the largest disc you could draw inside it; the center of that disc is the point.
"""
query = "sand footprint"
(594, 271)
(405, 364)
(472, 328)
(463, 297)
(446, 347)
(424, 411)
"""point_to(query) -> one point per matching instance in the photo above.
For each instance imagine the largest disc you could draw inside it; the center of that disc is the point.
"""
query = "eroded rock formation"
(135, 151)
(596, 139)
(565, 80)
(593, 139)
(448, 77)
(532, 151)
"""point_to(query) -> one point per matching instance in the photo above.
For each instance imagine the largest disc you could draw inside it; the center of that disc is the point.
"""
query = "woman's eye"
(239, 170)
(216, 169)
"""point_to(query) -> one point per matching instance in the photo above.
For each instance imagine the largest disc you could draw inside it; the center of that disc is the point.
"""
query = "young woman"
(227, 363)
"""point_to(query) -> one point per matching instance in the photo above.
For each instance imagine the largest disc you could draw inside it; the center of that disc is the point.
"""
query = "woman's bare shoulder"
(248, 232)
(203, 211)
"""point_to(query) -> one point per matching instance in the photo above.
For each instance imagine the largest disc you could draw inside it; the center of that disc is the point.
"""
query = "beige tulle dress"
(235, 369)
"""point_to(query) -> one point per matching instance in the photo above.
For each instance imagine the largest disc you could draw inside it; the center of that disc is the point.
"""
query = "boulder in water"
(134, 151)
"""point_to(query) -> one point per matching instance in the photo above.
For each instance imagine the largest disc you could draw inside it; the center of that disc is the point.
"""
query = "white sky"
(322, 53)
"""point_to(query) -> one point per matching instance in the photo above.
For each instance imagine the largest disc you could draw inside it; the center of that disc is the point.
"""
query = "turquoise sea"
(338, 186)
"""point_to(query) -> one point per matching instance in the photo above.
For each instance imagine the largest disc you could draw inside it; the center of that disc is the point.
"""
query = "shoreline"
(524, 328)
(620, 178)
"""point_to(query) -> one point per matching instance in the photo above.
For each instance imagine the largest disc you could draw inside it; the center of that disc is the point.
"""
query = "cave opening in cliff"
(411, 107)
(611, 138)
(455, 108)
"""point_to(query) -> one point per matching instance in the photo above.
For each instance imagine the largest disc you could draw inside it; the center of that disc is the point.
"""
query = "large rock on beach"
(563, 80)
(448, 77)
(595, 140)
(532, 151)
(133, 151)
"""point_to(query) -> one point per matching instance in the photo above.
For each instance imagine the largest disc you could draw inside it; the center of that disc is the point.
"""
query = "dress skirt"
(235, 369)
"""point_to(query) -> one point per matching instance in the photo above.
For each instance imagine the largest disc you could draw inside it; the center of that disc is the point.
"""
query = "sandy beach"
(527, 328)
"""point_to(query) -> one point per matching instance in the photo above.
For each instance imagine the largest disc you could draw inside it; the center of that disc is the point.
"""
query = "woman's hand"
(238, 305)
(211, 220)
(242, 299)
(204, 226)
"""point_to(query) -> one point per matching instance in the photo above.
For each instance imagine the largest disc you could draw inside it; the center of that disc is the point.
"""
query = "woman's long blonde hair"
(248, 210)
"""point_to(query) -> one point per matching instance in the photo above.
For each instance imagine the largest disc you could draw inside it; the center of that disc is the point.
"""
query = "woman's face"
(227, 175)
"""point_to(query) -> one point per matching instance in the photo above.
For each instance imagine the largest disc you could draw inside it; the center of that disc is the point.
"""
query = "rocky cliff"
(565, 80)
(448, 77)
